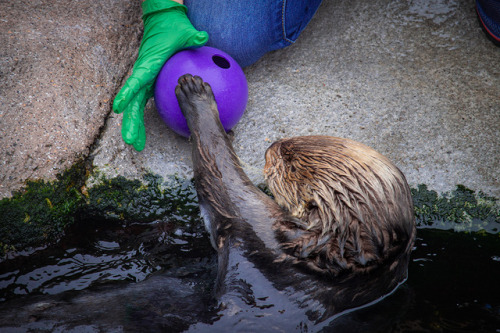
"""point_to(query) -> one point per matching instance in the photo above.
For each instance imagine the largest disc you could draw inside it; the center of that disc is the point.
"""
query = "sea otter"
(338, 236)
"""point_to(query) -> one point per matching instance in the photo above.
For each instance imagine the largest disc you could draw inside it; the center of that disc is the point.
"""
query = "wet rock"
(61, 63)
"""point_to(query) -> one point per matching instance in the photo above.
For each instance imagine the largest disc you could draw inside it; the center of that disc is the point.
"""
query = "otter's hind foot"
(193, 94)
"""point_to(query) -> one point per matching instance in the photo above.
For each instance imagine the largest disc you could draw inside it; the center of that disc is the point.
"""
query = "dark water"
(101, 253)
(455, 277)
(159, 277)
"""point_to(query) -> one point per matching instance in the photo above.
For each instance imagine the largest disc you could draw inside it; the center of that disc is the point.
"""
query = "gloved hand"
(167, 30)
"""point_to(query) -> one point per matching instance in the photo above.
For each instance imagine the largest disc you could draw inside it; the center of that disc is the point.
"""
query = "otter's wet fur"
(340, 237)
(355, 204)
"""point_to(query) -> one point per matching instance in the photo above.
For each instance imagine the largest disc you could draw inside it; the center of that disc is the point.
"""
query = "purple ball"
(215, 67)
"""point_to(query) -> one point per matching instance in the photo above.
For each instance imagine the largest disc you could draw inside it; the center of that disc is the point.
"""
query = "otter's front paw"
(192, 93)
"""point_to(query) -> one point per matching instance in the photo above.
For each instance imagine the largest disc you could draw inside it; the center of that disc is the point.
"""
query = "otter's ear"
(287, 151)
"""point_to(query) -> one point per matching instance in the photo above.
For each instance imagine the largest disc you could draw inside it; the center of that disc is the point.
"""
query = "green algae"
(40, 214)
(461, 210)
(148, 200)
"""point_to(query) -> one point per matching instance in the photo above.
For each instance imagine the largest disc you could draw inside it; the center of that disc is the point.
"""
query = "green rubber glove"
(167, 30)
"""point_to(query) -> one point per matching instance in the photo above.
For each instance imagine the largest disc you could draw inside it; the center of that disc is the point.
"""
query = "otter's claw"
(191, 90)
(196, 101)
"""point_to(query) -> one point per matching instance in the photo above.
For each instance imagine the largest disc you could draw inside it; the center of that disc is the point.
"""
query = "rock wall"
(61, 63)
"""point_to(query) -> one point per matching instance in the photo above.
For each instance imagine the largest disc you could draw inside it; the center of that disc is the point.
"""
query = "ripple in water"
(160, 277)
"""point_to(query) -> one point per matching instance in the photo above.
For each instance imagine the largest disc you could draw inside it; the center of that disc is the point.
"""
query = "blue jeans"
(247, 29)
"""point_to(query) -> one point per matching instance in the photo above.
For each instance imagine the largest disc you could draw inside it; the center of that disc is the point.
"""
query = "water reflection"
(159, 277)
(97, 255)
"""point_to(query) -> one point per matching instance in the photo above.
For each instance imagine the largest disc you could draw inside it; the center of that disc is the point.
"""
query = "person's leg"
(248, 29)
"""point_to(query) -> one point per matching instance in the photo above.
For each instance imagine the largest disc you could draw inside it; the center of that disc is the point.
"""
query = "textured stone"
(61, 62)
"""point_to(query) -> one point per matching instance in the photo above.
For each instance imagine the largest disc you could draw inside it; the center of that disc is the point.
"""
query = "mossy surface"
(40, 214)
(149, 200)
(461, 210)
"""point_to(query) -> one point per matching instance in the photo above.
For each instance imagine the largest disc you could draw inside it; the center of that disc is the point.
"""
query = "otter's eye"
(311, 205)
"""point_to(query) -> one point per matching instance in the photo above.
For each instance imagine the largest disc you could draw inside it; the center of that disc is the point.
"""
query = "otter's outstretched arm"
(225, 192)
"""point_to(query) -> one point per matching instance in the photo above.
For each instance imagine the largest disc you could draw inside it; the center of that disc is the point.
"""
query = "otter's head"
(288, 173)
(342, 188)
(354, 206)
(303, 175)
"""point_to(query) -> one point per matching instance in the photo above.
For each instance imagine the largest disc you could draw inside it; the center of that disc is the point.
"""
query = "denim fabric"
(247, 29)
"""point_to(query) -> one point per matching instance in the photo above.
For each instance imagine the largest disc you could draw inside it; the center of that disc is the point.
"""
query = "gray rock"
(60, 64)
(418, 81)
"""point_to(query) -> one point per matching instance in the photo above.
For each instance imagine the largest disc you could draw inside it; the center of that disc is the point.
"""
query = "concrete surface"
(416, 80)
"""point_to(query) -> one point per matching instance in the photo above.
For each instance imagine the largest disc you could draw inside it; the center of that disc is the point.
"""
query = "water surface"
(159, 277)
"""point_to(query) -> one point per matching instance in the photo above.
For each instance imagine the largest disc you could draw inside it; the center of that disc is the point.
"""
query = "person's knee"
(245, 30)
(245, 51)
